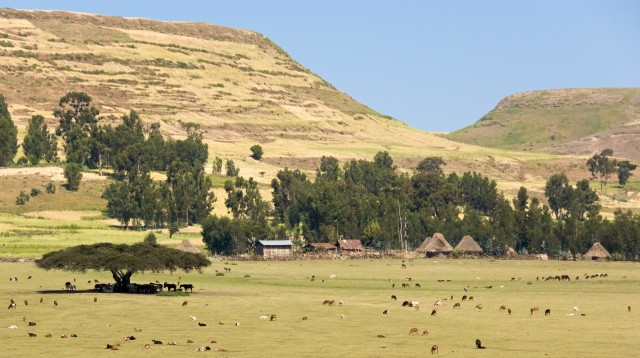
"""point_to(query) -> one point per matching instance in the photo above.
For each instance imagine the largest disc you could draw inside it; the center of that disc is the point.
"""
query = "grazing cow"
(48, 335)
(203, 349)
(413, 330)
(69, 286)
(305, 318)
(464, 298)
(393, 297)
(202, 324)
(547, 312)
(227, 269)
(502, 308)
(329, 302)
(457, 305)
(170, 286)
(425, 332)
(470, 298)
(12, 305)
(32, 334)
(509, 311)
(146, 346)
(385, 312)
(272, 317)
(156, 342)
(187, 286)
(479, 344)
(479, 307)
(32, 324)
(381, 336)
(406, 304)
(185, 303)
(418, 285)
(65, 336)
(534, 309)
(434, 349)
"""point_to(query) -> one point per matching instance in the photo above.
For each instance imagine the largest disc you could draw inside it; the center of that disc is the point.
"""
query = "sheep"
(333, 277)
(343, 316)
(413, 330)
(438, 304)
(434, 349)
(264, 318)
(13, 326)
(193, 318)
(575, 309)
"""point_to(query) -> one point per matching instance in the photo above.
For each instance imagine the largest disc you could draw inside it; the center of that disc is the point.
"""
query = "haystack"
(597, 252)
(437, 245)
(187, 246)
(468, 246)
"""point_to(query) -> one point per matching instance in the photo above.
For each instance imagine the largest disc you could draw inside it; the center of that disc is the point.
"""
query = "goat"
(434, 349)
(479, 344)
(413, 330)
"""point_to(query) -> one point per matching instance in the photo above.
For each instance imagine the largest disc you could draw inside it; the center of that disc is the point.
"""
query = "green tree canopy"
(38, 143)
(601, 166)
(122, 260)
(256, 152)
(8, 135)
(624, 171)
(73, 173)
(431, 164)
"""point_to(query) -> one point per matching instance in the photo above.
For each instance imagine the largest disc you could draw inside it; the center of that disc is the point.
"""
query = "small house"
(468, 246)
(320, 247)
(349, 246)
(597, 252)
(274, 248)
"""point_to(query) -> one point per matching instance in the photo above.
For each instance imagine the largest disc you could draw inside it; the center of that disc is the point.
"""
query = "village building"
(597, 252)
(468, 246)
(435, 245)
(274, 248)
(349, 246)
(320, 247)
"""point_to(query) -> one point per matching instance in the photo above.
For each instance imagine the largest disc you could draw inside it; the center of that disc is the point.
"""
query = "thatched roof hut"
(597, 252)
(468, 246)
(423, 247)
(436, 245)
(187, 246)
(349, 245)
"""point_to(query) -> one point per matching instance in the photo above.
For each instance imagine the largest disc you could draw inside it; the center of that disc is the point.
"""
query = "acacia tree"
(600, 165)
(122, 260)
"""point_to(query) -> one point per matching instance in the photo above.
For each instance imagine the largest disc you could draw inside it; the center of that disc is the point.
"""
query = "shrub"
(35, 191)
(22, 161)
(50, 188)
(73, 173)
(219, 274)
(4, 43)
(151, 238)
(256, 152)
(22, 198)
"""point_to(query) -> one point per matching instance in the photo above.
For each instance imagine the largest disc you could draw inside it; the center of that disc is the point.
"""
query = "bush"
(22, 198)
(22, 161)
(219, 274)
(256, 152)
(50, 188)
(73, 173)
(35, 191)
(151, 238)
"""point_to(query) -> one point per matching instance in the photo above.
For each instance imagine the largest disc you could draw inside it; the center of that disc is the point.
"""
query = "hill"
(240, 87)
(566, 121)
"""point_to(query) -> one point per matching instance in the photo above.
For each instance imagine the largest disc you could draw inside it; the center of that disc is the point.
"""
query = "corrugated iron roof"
(275, 242)
(350, 244)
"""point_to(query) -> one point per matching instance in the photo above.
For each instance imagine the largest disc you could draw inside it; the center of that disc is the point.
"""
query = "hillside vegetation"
(567, 121)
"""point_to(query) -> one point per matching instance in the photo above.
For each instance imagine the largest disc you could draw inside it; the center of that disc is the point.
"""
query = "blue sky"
(436, 65)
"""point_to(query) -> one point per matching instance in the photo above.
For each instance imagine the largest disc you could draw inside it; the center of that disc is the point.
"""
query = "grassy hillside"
(542, 119)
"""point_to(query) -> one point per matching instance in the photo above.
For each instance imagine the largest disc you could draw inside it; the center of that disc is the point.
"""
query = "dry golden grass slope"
(238, 85)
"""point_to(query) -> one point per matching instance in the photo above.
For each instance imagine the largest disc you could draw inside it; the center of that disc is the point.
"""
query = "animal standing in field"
(12, 305)
(26, 303)
(434, 349)
(170, 286)
(13, 326)
(329, 302)
(146, 346)
(393, 297)
(202, 324)
(434, 311)
(272, 317)
(55, 303)
(185, 303)
(413, 330)
(479, 344)
(187, 286)
(95, 299)
(32, 334)
(502, 308)
(32, 324)
(509, 311)
(156, 341)
(425, 332)
(203, 349)
(479, 307)
(457, 305)
(343, 316)
(547, 312)
(628, 308)
(534, 309)
(385, 312)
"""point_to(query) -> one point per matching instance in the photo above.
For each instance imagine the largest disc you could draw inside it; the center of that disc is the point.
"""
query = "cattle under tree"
(122, 260)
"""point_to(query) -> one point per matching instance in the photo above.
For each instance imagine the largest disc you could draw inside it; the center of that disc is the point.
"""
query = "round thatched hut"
(187, 246)
(468, 246)
(597, 252)
(435, 245)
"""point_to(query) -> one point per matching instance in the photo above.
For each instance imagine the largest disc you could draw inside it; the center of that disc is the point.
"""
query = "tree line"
(361, 199)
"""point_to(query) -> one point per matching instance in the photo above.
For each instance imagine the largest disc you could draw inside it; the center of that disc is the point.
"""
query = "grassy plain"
(253, 289)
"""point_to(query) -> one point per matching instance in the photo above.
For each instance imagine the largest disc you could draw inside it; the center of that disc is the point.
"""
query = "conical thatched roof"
(187, 246)
(597, 251)
(438, 244)
(468, 245)
(423, 247)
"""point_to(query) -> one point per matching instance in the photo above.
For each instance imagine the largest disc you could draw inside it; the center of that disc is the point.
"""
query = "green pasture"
(257, 288)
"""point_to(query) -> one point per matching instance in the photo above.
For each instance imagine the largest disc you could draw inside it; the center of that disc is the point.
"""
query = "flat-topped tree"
(122, 260)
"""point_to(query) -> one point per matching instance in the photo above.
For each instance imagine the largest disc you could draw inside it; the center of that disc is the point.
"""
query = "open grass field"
(253, 289)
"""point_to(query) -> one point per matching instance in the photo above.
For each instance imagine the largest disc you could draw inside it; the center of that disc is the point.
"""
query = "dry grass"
(253, 289)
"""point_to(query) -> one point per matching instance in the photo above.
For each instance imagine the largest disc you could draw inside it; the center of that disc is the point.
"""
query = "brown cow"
(434, 349)
(425, 332)
(534, 309)
(413, 330)
(479, 306)
(329, 302)
(457, 305)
